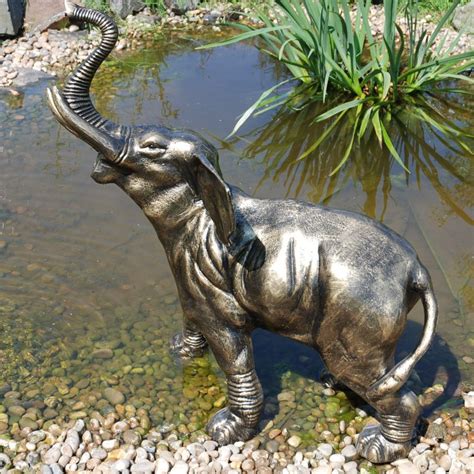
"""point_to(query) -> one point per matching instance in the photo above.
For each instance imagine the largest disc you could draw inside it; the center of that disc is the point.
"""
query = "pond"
(87, 302)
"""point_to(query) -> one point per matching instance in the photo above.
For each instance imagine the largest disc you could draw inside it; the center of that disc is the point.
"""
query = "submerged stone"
(114, 396)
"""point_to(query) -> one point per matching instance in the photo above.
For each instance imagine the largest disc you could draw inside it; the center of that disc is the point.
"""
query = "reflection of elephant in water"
(334, 280)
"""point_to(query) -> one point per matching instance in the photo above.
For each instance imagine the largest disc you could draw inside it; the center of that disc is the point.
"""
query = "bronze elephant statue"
(337, 281)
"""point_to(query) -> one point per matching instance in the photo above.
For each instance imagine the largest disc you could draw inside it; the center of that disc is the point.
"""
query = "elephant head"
(145, 161)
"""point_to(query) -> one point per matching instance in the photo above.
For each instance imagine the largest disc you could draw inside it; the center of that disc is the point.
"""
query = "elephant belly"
(279, 285)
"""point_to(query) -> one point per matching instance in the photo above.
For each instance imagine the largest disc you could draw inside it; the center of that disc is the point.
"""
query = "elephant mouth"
(105, 172)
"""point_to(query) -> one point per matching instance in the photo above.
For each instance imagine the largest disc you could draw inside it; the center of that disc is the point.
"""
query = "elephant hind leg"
(397, 412)
(392, 439)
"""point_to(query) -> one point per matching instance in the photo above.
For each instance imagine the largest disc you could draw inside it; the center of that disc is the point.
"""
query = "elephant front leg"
(189, 343)
(239, 420)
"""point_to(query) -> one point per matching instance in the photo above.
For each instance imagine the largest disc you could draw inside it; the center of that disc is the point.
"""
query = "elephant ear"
(216, 197)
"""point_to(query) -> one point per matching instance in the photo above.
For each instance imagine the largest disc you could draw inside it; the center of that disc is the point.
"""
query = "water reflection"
(279, 144)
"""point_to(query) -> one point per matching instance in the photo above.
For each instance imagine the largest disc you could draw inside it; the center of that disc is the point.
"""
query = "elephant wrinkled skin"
(334, 280)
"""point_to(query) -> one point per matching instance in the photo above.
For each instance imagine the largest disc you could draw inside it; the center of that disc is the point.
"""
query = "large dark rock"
(464, 18)
(11, 17)
(40, 12)
(181, 6)
(123, 8)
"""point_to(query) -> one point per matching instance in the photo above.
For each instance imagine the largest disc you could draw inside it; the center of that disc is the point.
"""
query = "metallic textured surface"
(334, 280)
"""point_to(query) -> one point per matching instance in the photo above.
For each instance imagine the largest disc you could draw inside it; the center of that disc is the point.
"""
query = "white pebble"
(349, 452)
(110, 444)
(350, 466)
(407, 467)
(162, 466)
(325, 449)
(337, 460)
(180, 468)
(322, 470)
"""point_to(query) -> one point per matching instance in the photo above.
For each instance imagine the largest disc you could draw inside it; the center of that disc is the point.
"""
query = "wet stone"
(272, 446)
(114, 396)
(102, 354)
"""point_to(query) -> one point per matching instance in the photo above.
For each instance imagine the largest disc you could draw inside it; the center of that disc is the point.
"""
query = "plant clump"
(333, 57)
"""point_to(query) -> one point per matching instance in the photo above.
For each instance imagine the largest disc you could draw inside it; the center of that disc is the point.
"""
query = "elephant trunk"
(77, 88)
(73, 107)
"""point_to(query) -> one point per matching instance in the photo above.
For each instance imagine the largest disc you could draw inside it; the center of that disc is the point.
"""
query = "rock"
(114, 396)
(180, 468)
(11, 17)
(52, 455)
(325, 449)
(322, 470)
(143, 466)
(123, 8)
(122, 465)
(110, 444)
(436, 430)
(294, 441)
(180, 7)
(445, 462)
(406, 467)
(272, 446)
(16, 410)
(131, 437)
(98, 453)
(336, 460)
(58, 21)
(4, 461)
(162, 466)
(104, 353)
(121, 45)
(210, 445)
(469, 399)
(464, 18)
(349, 452)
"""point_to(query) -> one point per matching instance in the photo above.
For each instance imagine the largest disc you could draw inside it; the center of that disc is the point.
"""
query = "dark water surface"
(86, 297)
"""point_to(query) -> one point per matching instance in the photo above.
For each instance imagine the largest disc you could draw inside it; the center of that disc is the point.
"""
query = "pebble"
(294, 441)
(162, 466)
(349, 452)
(114, 396)
(325, 449)
(143, 467)
(180, 468)
(52, 455)
(4, 461)
(337, 460)
(406, 467)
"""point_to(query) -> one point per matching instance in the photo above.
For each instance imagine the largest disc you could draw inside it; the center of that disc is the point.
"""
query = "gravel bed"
(112, 444)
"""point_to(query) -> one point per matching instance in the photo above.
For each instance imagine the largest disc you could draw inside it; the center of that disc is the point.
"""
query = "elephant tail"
(398, 375)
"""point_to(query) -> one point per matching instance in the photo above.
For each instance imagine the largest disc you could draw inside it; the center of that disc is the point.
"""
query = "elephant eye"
(153, 145)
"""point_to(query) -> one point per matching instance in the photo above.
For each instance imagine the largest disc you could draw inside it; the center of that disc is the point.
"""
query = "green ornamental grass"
(333, 57)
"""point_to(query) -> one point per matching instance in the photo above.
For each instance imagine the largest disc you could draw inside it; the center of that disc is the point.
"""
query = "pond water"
(86, 297)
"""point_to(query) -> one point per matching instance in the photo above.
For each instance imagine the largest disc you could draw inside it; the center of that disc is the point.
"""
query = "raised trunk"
(77, 88)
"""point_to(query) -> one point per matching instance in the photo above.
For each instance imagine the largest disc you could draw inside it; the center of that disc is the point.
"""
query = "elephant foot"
(225, 427)
(188, 347)
(377, 449)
